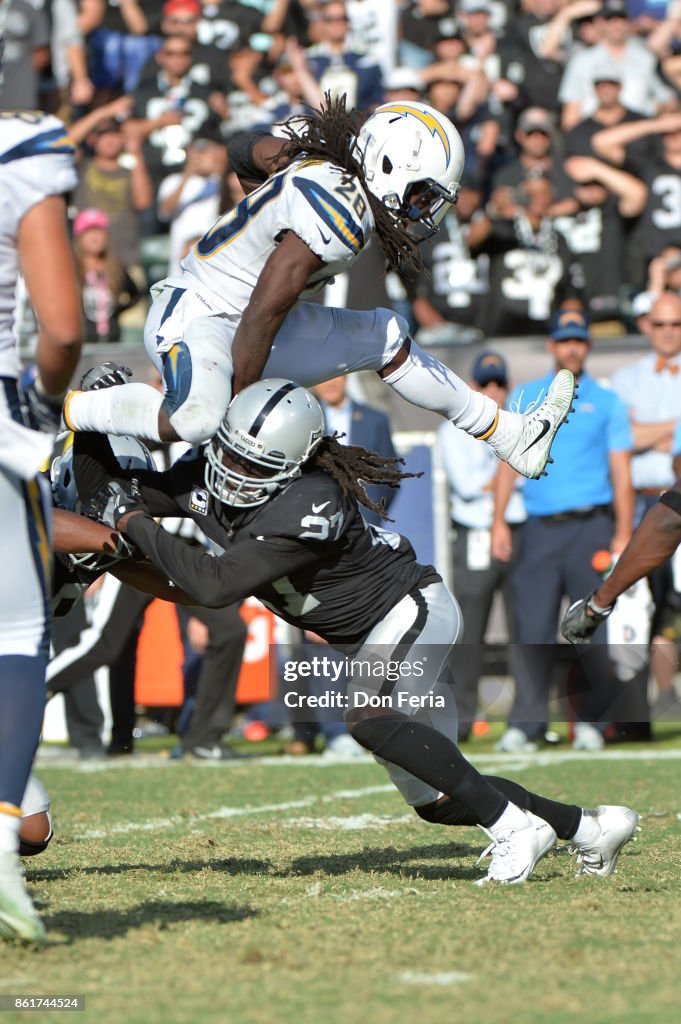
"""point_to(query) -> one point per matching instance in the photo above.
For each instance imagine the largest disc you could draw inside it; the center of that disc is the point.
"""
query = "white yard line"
(441, 978)
(516, 762)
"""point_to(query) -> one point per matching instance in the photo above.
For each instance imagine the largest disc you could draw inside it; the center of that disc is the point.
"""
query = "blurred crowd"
(570, 114)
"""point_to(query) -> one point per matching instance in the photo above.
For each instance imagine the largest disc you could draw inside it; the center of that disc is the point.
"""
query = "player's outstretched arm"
(280, 285)
(74, 534)
(657, 537)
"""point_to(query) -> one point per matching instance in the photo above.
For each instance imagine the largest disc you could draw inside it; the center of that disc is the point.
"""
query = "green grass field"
(286, 890)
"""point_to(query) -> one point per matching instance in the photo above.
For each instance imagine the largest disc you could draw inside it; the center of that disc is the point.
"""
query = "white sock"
(425, 381)
(9, 832)
(127, 409)
(513, 817)
(502, 441)
(588, 828)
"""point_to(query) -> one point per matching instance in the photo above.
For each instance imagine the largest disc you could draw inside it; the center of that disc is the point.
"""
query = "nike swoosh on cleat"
(546, 426)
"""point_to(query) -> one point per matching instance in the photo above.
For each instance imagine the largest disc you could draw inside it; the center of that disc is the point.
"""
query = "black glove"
(42, 411)
(94, 464)
(105, 375)
(582, 619)
(114, 501)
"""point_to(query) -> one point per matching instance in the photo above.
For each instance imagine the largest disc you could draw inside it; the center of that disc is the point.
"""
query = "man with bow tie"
(651, 389)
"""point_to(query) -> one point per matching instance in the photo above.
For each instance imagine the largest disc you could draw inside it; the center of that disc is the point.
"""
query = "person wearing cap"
(642, 88)
(650, 389)
(121, 188)
(535, 137)
(478, 575)
(585, 505)
(609, 111)
(106, 287)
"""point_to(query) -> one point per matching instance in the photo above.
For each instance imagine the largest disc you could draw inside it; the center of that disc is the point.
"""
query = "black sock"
(433, 758)
(563, 818)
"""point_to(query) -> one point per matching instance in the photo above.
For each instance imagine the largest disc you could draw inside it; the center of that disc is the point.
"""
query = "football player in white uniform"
(36, 168)
(234, 313)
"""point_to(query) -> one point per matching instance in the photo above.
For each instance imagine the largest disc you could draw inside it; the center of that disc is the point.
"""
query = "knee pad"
(449, 812)
(27, 849)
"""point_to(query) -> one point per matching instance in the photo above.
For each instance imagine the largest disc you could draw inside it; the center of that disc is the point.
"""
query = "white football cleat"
(538, 427)
(514, 741)
(618, 825)
(18, 919)
(516, 853)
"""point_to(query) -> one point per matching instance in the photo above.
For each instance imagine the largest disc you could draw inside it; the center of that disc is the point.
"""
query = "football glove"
(582, 619)
(42, 411)
(114, 501)
(105, 375)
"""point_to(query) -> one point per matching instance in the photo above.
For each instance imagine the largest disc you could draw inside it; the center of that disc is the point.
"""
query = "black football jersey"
(306, 553)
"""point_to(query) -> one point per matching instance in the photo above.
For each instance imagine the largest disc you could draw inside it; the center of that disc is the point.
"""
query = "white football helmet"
(271, 428)
(413, 160)
(130, 454)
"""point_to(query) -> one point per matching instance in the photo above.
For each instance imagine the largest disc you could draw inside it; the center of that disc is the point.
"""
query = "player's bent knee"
(393, 329)
(35, 833)
(194, 422)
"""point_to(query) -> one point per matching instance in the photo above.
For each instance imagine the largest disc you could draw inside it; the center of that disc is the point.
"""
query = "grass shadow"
(410, 863)
(160, 914)
(227, 866)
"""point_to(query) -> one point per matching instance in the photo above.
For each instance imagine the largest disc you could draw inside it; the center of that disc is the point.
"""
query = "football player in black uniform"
(281, 500)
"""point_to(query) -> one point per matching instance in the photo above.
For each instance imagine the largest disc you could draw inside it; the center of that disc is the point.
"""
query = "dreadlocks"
(351, 465)
(330, 135)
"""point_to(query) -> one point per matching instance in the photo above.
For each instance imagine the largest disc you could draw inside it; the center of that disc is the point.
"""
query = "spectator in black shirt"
(607, 198)
(535, 136)
(609, 112)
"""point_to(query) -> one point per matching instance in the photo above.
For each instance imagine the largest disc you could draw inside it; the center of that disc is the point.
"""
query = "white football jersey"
(36, 161)
(324, 205)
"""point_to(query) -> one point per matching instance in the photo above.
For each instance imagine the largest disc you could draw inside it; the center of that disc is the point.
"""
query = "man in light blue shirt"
(584, 505)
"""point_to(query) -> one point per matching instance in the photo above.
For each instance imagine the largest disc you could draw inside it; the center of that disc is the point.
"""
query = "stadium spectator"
(65, 83)
(529, 78)
(478, 575)
(448, 298)
(421, 22)
(82, 710)
(169, 109)
(609, 111)
(374, 26)
(535, 137)
(107, 289)
(337, 68)
(584, 505)
(210, 65)
(609, 199)
(642, 88)
(659, 225)
(119, 36)
(112, 175)
(297, 91)
(650, 390)
(26, 40)
(531, 270)
(189, 200)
